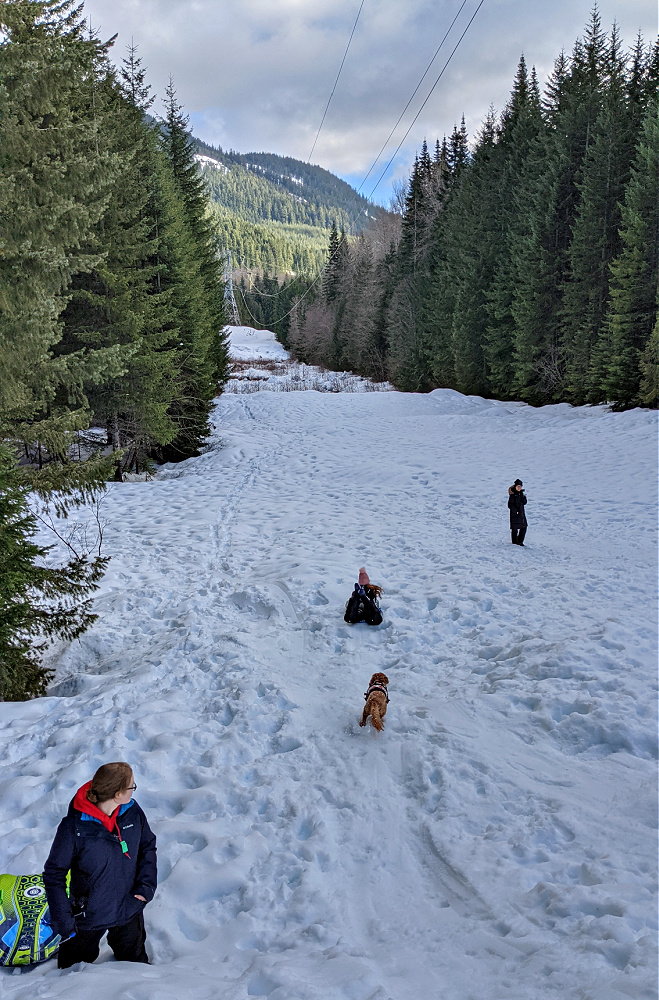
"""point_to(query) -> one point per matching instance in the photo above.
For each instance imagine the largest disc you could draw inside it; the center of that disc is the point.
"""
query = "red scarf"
(82, 803)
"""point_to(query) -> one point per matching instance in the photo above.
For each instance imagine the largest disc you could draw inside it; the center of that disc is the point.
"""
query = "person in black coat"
(362, 605)
(516, 505)
(106, 843)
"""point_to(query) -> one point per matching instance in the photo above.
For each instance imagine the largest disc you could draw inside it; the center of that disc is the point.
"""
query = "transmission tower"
(229, 297)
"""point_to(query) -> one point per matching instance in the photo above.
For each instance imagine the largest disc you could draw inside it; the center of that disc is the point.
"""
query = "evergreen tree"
(416, 222)
(545, 200)
(385, 273)
(354, 333)
(456, 155)
(340, 269)
(201, 342)
(38, 603)
(438, 306)
(56, 183)
(331, 277)
(120, 302)
(635, 278)
(550, 200)
(529, 267)
(520, 129)
(595, 241)
(474, 247)
(649, 388)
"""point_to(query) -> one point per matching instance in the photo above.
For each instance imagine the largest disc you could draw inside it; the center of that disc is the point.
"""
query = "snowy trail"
(498, 840)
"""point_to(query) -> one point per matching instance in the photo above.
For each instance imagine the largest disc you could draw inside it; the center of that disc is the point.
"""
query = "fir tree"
(201, 343)
(539, 255)
(119, 301)
(456, 154)
(649, 365)
(331, 277)
(56, 183)
(635, 279)
(520, 129)
(38, 603)
(595, 242)
(474, 245)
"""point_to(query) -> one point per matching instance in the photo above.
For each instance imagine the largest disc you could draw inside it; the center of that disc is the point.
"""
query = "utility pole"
(229, 297)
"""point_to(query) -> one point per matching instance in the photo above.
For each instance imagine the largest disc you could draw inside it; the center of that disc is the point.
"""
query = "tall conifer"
(56, 184)
(520, 129)
(202, 344)
(595, 241)
(635, 279)
(119, 302)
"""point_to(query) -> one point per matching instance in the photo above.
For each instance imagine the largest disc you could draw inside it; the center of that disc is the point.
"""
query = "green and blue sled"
(26, 935)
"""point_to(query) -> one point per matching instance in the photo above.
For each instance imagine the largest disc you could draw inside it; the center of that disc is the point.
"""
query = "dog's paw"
(361, 722)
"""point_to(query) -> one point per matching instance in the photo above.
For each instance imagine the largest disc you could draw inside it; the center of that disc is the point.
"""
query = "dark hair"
(109, 780)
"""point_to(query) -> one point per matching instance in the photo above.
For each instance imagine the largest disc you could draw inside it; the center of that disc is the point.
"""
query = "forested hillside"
(275, 213)
(528, 261)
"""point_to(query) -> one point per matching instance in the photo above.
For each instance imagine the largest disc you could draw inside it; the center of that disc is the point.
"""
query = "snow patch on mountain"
(209, 161)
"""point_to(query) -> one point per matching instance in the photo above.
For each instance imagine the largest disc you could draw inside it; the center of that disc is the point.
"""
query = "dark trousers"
(518, 535)
(127, 943)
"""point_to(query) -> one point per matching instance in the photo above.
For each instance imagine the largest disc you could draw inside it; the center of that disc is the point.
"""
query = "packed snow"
(498, 839)
(249, 344)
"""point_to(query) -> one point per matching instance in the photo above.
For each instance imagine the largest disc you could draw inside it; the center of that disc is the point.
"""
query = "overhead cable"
(336, 81)
(414, 120)
(427, 70)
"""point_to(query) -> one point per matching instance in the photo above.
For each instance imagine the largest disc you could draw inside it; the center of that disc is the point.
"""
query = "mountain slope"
(275, 212)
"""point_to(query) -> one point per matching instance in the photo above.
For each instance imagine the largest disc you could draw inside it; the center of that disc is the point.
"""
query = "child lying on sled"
(363, 604)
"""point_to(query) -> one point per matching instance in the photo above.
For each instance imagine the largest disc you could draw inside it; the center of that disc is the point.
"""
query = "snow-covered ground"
(498, 839)
(255, 345)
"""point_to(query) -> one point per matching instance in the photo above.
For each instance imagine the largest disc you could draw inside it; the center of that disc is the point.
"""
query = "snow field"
(498, 839)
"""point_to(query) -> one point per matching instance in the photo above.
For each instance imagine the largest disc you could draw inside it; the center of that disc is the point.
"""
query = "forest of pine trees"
(526, 266)
(111, 305)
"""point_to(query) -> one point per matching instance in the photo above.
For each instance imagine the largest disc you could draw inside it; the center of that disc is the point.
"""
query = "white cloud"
(256, 74)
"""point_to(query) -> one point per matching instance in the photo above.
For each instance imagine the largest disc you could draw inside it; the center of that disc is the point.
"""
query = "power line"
(414, 120)
(427, 70)
(336, 81)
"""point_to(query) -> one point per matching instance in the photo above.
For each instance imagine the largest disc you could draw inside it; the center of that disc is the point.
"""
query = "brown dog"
(376, 701)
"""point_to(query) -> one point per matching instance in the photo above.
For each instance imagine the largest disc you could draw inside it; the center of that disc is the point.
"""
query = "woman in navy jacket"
(106, 843)
(516, 505)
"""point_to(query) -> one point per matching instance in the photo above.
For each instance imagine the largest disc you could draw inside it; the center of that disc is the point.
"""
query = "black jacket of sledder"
(516, 504)
(362, 608)
(104, 881)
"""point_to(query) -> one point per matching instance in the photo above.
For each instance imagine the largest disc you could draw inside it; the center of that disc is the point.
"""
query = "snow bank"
(245, 342)
(498, 839)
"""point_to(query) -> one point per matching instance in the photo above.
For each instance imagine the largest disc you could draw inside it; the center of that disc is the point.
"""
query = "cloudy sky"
(256, 74)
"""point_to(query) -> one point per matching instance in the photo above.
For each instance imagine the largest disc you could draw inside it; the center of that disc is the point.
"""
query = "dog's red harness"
(376, 687)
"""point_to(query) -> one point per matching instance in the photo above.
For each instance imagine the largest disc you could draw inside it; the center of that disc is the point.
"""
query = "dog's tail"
(376, 718)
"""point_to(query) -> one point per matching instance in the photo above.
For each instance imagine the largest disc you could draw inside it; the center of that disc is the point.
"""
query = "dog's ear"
(373, 680)
(385, 679)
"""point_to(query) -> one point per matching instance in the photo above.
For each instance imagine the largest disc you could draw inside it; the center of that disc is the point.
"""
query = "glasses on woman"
(131, 788)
